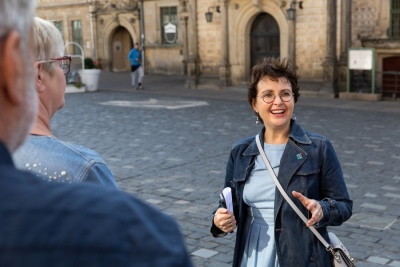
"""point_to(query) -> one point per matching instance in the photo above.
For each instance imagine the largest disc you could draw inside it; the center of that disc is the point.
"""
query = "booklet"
(226, 199)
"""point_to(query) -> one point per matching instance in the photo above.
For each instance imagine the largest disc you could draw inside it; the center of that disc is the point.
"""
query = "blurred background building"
(214, 43)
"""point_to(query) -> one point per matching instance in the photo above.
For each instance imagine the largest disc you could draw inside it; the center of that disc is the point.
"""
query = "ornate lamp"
(291, 12)
(209, 14)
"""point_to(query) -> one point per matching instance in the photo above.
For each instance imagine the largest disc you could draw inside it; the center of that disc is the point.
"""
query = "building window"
(77, 35)
(395, 18)
(169, 25)
(59, 26)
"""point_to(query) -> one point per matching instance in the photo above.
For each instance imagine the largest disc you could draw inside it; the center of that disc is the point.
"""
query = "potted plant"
(74, 82)
(91, 74)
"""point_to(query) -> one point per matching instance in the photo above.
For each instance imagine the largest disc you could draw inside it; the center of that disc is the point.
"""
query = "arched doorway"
(121, 44)
(264, 38)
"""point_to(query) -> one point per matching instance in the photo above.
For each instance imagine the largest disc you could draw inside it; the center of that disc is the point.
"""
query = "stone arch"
(240, 48)
(109, 29)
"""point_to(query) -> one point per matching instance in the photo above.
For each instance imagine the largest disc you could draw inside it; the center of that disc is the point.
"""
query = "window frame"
(60, 26)
(394, 26)
(76, 50)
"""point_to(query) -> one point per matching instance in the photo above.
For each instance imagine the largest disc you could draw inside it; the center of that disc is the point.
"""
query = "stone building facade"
(176, 38)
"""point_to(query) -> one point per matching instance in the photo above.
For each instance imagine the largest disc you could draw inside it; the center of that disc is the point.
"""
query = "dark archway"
(264, 38)
(391, 77)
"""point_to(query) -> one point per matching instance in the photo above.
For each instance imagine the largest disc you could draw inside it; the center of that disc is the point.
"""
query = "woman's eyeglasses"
(65, 63)
(285, 96)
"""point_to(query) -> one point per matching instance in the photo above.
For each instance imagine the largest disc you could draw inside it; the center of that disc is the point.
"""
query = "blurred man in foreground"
(52, 224)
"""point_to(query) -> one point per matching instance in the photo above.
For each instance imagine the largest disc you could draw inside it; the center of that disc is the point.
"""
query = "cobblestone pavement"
(169, 146)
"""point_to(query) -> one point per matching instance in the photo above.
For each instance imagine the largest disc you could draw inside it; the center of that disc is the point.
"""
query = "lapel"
(248, 160)
(292, 159)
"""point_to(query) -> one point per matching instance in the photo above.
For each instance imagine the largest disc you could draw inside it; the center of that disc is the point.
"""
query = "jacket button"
(313, 259)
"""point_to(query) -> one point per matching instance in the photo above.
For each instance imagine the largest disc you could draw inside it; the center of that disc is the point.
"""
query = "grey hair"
(48, 41)
(11, 19)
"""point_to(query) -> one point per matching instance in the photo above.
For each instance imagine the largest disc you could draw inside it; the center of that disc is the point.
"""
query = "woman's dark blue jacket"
(309, 165)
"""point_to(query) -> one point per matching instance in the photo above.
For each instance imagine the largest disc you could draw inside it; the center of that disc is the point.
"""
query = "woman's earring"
(294, 116)
(257, 121)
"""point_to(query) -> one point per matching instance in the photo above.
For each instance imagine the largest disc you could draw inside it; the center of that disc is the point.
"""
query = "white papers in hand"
(227, 192)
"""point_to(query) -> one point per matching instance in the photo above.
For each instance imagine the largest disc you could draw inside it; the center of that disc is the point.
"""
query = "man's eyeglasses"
(65, 63)
(285, 96)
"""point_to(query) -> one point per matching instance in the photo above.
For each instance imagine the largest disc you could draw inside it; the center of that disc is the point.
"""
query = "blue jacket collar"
(297, 134)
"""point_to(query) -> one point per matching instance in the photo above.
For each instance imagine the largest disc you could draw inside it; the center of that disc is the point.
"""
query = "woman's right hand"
(224, 220)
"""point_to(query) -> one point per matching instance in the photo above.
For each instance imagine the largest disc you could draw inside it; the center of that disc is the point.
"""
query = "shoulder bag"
(340, 255)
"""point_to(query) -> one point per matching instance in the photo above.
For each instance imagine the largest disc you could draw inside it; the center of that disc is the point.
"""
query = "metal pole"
(81, 56)
(373, 71)
(142, 37)
(395, 87)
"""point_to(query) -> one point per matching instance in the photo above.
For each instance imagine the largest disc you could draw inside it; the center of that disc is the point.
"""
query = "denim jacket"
(58, 161)
(309, 165)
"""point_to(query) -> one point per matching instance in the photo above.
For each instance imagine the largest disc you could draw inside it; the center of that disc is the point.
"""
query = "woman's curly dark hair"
(274, 69)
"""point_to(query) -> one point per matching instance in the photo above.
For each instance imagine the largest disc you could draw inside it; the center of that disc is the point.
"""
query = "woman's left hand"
(313, 206)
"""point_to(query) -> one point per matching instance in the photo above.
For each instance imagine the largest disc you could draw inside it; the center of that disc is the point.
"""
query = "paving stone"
(375, 163)
(154, 201)
(391, 195)
(182, 202)
(381, 222)
(204, 253)
(379, 260)
(223, 258)
(373, 206)
(390, 188)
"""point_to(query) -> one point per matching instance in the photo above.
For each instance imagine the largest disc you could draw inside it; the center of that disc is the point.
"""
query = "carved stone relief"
(114, 5)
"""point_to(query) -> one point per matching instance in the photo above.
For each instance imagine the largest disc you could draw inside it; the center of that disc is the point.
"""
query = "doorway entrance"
(391, 77)
(121, 44)
(264, 38)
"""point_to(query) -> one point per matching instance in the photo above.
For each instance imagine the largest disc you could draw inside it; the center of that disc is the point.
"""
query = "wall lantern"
(291, 12)
(209, 14)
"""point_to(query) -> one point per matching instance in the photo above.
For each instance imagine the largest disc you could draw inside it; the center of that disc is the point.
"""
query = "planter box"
(360, 96)
(91, 79)
(72, 89)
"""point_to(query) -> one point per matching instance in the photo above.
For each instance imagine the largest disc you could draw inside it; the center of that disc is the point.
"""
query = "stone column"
(184, 16)
(224, 66)
(92, 11)
(292, 41)
(192, 51)
(329, 79)
(345, 42)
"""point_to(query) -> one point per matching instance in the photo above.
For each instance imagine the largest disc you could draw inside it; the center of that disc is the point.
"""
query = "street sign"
(361, 58)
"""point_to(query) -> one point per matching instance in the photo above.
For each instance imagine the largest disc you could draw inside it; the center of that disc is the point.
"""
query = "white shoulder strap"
(280, 188)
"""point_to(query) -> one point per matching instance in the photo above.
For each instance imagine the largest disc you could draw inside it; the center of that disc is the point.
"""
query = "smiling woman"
(269, 231)
(274, 112)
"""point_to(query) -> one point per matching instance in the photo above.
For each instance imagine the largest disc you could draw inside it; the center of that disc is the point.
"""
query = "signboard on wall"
(361, 59)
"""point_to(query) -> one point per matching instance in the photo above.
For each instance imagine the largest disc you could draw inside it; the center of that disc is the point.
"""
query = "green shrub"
(90, 64)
